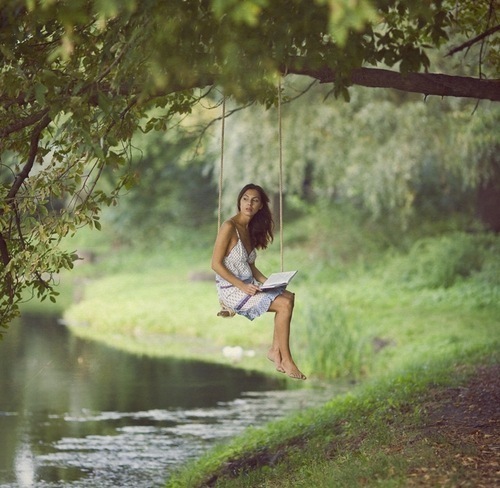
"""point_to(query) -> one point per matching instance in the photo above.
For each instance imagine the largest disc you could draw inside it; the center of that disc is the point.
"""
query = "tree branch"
(10, 198)
(424, 83)
(21, 124)
(473, 41)
(35, 139)
(4, 251)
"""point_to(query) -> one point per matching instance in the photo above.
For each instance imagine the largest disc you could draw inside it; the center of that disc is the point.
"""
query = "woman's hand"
(249, 289)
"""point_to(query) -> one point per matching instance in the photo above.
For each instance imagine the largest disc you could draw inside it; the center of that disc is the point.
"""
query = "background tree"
(79, 78)
(392, 157)
(173, 188)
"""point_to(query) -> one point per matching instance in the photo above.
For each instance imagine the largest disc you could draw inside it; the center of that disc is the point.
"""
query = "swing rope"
(221, 171)
(280, 137)
(224, 312)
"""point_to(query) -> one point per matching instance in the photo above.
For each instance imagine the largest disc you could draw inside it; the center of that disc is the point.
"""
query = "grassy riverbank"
(406, 319)
(363, 308)
(434, 424)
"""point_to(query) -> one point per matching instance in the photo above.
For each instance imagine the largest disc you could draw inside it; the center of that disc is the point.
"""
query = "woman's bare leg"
(280, 350)
(274, 354)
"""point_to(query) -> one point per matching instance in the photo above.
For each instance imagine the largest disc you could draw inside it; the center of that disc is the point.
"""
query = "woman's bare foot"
(291, 370)
(275, 357)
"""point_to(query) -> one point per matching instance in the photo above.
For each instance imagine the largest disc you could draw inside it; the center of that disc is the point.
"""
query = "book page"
(278, 279)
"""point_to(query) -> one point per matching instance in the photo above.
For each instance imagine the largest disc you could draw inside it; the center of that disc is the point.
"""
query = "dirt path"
(465, 422)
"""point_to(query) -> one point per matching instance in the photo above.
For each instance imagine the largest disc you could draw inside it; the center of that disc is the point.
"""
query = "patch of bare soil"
(463, 428)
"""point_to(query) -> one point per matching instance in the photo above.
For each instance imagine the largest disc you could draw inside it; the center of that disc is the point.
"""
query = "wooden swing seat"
(225, 312)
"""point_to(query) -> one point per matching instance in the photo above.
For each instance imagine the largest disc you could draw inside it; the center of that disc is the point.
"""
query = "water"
(77, 414)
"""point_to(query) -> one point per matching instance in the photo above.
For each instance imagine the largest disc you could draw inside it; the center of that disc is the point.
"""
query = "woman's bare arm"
(257, 274)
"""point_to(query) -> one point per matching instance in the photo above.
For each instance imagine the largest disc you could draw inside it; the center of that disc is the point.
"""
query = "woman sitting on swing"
(238, 279)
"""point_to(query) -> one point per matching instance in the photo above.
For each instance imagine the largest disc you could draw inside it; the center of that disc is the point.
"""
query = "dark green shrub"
(441, 262)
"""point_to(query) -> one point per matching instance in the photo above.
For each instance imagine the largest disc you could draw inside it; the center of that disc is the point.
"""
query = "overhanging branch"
(424, 83)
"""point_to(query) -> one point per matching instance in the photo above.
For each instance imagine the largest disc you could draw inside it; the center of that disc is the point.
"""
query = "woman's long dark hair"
(262, 224)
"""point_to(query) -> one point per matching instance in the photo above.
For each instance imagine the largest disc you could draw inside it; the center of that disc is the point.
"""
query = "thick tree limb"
(424, 83)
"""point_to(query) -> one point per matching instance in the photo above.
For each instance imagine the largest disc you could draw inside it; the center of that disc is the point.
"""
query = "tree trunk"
(488, 201)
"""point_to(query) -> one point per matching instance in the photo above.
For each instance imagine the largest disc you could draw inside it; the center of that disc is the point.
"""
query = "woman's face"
(250, 203)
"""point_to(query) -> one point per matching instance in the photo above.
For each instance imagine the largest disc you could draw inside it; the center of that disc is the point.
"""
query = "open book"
(278, 279)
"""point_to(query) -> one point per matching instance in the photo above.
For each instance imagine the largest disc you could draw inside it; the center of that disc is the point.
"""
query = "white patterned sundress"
(238, 262)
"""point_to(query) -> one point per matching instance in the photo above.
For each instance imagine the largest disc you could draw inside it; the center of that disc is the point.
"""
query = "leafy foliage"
(79, 78)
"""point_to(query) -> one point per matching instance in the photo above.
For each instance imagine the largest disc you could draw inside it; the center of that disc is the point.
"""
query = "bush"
(443, 261)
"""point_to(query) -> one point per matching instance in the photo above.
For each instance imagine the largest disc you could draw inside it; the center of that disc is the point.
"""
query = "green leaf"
(40, 92)
(104, 103)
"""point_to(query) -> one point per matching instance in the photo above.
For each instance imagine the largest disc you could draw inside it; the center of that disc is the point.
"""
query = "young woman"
(238, 279)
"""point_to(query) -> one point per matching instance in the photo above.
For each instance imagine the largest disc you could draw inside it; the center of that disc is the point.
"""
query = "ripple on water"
(141, 448)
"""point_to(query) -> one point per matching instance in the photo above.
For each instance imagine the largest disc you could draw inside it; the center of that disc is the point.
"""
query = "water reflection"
(74, 413)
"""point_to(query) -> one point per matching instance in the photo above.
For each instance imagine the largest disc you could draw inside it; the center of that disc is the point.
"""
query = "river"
(74, 413)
